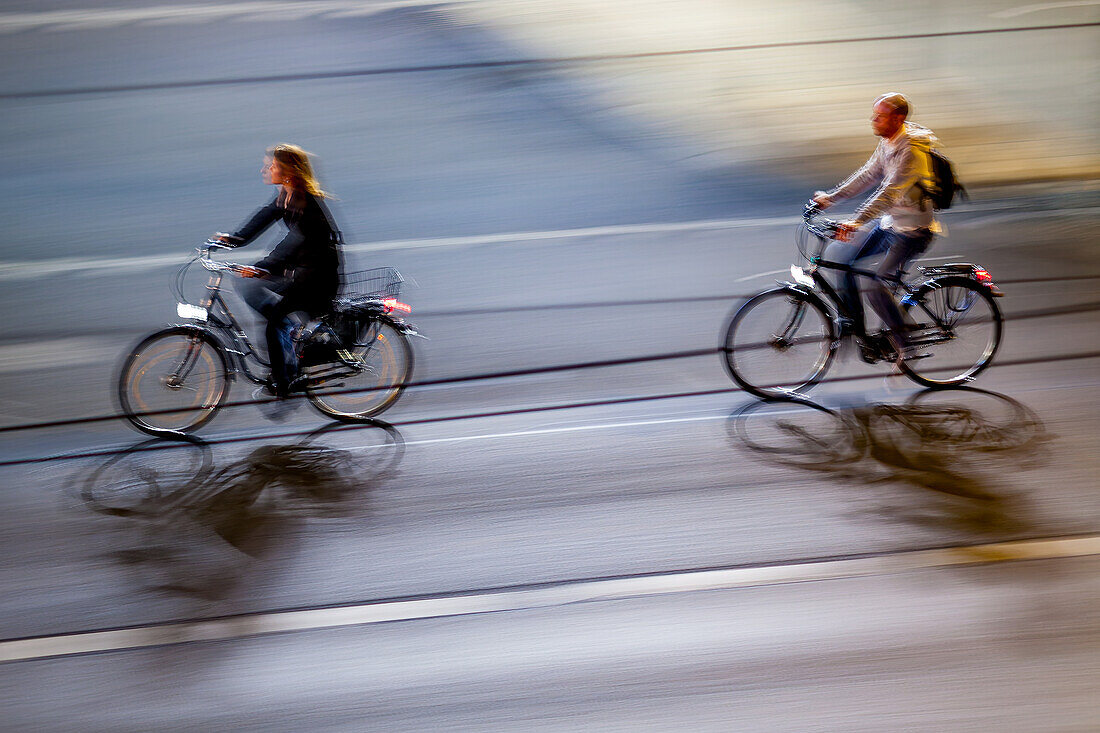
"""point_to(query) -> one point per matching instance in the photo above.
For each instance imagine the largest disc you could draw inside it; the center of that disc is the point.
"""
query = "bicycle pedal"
(869, 357)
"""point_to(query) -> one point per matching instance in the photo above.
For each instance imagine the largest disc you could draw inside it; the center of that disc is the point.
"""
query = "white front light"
(193, 312)
(801, 277)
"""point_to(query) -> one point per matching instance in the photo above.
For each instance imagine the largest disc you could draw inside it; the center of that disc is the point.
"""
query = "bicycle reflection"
(958, 443)
(199, 526)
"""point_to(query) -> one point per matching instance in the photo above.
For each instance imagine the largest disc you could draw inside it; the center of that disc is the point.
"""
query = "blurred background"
(579, 190)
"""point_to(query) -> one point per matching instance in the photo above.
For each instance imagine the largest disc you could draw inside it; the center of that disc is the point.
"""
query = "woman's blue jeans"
(265, 296)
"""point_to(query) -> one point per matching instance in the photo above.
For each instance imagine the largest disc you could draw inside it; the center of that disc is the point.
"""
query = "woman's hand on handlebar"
(822, 200)
(226, 239)
(249, 271)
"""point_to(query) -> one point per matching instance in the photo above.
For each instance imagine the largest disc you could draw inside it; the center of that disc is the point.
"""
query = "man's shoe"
(911, 353)
(298, 384)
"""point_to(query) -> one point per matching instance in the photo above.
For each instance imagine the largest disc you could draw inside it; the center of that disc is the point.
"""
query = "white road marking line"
(66, 20)
(565, 429)
(746, 278)
(43, 268)
(84, 266)
(1039, 7)
(522, 599)
(24, 356)
(80, 265)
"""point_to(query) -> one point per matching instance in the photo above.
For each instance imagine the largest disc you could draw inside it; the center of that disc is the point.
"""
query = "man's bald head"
(896, 102)
(888, 114)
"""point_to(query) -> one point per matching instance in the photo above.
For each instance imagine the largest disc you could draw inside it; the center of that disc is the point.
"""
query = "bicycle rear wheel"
(371, 380)
(965, 344)
(779, 343)
(173, 382)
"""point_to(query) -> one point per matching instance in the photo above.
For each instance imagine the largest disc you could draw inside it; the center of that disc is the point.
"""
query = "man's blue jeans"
(900, 250)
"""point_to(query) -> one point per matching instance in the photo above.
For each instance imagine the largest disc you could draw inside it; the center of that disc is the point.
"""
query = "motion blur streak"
(581, 591)
(582, 523)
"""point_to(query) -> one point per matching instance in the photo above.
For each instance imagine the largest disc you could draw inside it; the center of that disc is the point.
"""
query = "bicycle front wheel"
(173, 382)
(965, 338)
(372, 375)
(779, 343)
(135, 481)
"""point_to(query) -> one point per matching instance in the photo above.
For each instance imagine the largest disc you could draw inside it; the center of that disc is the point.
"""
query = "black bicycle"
(782, 341)
(355, 361)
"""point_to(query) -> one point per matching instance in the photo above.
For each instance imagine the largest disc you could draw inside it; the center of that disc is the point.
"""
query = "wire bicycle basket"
(377, 282)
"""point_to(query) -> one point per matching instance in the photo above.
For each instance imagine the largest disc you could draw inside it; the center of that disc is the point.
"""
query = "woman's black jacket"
(308, 256)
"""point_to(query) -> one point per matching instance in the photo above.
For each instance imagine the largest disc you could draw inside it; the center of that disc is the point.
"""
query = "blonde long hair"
(295, 162)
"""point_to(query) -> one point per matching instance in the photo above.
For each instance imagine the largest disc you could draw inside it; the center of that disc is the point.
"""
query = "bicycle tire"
(156, 398)
(386, 362)
(958, 356)
(135, 481)
(981, 421)
(375, 447)
(799, 433)
(779, 343)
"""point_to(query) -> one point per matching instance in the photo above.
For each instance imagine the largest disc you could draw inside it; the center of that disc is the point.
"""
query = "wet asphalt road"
(550, 480)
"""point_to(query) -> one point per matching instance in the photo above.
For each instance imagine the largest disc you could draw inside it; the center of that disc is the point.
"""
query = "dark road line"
(170, 444)
(518, 63)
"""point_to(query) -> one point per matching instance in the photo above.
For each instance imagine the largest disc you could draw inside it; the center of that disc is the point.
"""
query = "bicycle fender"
(793, 287)
(200, 331)
(939, 279)
(405, 328)
(815, 295)
(213, 337)
(797, 288)
(189, 328)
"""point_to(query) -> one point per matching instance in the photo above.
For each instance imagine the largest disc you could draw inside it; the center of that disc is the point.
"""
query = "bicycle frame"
(831, 294)
(219, 321)
(782, 341)
(175, 379)
(225, 327)
(814, 280)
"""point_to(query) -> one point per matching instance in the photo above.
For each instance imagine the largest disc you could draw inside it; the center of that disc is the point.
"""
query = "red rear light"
(393, 304)
(983, 276)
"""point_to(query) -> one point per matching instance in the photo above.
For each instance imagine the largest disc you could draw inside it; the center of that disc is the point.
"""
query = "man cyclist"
(905, 218)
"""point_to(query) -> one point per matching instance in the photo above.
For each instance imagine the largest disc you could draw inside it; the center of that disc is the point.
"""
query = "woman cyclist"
(301, 274)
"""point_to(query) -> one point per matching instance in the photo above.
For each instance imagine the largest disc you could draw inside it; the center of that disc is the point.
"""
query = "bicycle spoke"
(173, 382)
(778, 343)
(969, 335)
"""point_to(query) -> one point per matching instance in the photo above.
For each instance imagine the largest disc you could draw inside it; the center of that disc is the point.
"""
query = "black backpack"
(943, 184)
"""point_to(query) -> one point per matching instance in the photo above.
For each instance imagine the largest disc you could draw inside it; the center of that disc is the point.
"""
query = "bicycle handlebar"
(202, 256)
(218, 266)
(817, 224)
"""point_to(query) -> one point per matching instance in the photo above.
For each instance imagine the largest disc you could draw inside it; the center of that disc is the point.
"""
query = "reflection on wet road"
(195, 524)
(957, 443)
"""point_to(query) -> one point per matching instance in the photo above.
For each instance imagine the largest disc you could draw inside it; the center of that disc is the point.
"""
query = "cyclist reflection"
(198, 527)
(958, 443)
